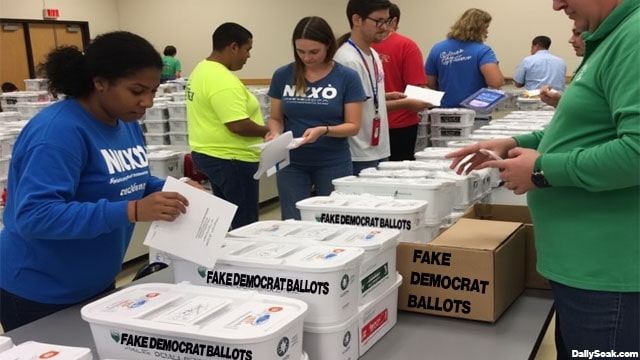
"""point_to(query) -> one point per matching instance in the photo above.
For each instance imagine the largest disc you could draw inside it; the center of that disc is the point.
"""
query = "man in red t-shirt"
(403, 65)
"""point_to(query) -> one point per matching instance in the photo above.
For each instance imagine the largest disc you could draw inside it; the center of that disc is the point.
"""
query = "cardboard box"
(519, 214)
(474, 270)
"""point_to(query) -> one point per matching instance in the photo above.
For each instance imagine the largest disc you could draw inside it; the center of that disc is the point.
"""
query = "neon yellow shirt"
(215, 96)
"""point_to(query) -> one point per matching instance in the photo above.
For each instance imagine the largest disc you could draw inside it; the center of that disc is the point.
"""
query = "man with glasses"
(369, 21)
(402, 63)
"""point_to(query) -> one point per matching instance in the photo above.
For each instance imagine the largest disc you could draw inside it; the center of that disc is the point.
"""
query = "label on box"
(372, 326)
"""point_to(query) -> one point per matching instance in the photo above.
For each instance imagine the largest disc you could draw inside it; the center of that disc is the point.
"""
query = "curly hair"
(112, 56)
(471, 26)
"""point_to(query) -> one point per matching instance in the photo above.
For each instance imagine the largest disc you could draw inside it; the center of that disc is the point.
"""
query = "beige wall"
(102, 15)
(188, 24)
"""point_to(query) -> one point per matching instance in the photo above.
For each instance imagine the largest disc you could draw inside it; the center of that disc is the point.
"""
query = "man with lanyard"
(369, 20)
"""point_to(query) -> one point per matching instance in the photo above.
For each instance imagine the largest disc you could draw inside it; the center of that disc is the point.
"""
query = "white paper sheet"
(431, 96)
(196, 236)
(274, 155)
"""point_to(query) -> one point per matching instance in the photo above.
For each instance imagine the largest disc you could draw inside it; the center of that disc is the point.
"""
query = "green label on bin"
(374, 278)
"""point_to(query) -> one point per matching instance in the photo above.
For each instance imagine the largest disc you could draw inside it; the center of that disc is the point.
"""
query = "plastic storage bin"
(165, 163)
(36, 84)
(178, 125)
(323, 276)
(438, 193)
(5, 343)
(177, 109)
(452, 117)
(179, 138)
(157, 138)
(333, 342)
(159, 111)
(156, 126)
(169, 321)
(38, 350)
(377, 271)
(378, 317)
(438, 131)
(407, 216)
(529, 104)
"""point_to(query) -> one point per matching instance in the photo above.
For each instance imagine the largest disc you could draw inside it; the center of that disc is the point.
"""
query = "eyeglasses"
(381, 22)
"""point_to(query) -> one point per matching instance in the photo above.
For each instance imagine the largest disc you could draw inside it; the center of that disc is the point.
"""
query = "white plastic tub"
(377, 173)
(178, 125)
(156, 126)
(157, 138)
(177, 109)
(433, 153)
(323, 276)
(438, 193)
(393, 165)
(37, 350)
(377, 271)
(8, 116)
(178, 321)
(378, 317)
(159, 111)
(36, 84)
(333, 342)
(452, 117)
(5, 343)
(165, 163)
(529, 104)
(441, 131)
(179, 138)
(443, 141)
(469, 187)
(28, 110)
(460, 143)
(407, 216)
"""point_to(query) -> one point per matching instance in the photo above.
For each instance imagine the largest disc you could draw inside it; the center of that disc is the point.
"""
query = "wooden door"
(46, 37)
(43, 40)
(68, 35)
(14, 66)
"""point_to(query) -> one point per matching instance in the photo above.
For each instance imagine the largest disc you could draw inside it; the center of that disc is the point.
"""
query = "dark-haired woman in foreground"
(79, 179)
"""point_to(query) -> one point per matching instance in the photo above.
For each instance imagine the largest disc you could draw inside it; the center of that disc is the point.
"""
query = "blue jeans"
(359, 165)
(16, 311)
(595, 320)
(295, 182)
(232, 180)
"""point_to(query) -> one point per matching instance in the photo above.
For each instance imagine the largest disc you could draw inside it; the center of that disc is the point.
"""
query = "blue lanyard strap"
(374, 85)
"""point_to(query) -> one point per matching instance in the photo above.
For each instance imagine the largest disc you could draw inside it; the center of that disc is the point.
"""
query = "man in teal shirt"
(582, 178)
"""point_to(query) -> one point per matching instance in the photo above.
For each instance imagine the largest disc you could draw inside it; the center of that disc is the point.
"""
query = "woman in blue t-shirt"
(79, 180)
(319, 101)
(462, 64)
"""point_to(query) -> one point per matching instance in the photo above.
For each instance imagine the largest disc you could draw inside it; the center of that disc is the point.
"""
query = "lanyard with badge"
(375, 130)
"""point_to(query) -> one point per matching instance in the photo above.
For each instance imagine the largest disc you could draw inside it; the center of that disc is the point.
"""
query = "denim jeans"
(295, 182)
(232, 180)
(359, 165)
(595, 320)
(16, 311)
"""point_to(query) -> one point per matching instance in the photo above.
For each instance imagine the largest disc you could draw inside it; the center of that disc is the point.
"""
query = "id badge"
(375, 131)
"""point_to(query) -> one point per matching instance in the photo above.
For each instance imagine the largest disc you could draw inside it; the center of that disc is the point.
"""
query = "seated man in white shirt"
(541, 67)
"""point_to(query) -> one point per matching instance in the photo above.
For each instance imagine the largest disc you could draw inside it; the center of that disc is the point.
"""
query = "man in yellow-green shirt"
(223, 120)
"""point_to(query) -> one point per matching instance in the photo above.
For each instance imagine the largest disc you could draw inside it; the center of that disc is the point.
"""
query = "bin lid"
(196, 312)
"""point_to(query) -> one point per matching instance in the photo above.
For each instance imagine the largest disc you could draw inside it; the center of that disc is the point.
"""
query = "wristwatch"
(538, 179)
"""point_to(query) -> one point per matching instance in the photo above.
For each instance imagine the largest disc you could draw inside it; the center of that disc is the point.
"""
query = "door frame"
(84, 30)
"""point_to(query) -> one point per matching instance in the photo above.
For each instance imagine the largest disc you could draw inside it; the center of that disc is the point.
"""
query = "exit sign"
(51, 13)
